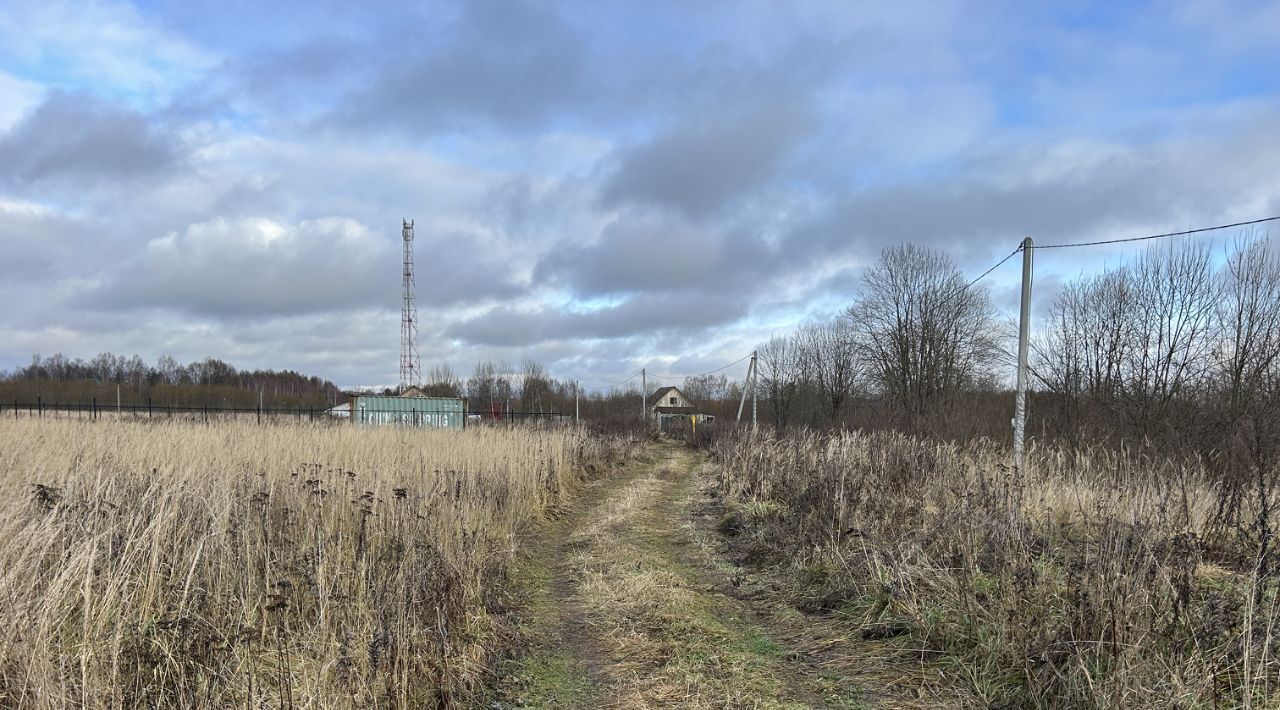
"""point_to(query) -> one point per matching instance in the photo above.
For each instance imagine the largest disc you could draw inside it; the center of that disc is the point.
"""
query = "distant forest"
(211, 382)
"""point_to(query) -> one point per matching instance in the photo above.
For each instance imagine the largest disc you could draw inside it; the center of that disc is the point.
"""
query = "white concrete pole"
(644, 396)
(745, 383)
(1024, 330)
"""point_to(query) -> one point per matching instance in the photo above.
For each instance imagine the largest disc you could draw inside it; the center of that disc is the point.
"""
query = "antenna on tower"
(410, 362)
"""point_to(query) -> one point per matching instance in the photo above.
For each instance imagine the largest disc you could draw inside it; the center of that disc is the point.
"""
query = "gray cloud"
(34, 242)
(711, 176)
(253, 268)
(1054, 191)
(704, 163)
(646, 252)
(506, 64)
(650, 313)
(78, 138)
(257, 268)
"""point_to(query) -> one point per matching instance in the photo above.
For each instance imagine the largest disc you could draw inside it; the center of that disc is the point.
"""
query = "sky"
(597, 186)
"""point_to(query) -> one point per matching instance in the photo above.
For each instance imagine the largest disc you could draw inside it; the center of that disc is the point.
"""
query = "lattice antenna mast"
(410, 362)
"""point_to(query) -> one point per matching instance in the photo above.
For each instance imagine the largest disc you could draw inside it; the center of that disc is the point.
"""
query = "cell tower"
(410, 362)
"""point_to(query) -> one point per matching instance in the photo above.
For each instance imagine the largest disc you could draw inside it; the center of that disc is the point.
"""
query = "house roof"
(663, 391)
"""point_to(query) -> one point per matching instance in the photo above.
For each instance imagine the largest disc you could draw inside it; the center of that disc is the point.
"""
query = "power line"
(993, 268)
(623, 382)
(1157, 236)
(982, 276)
(677, 377)
(997, 265)
(712, 372)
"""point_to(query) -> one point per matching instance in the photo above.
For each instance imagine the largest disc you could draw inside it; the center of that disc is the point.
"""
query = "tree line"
(207, 382)
(1180, 348)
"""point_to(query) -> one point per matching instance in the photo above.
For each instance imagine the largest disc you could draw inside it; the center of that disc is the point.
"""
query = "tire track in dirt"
(560, 662)
(623, 608)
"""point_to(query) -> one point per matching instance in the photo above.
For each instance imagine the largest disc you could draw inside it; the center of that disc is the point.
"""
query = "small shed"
(341, 411)
(676, 417)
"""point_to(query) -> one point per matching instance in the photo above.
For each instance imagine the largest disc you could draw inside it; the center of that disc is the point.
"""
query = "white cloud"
(109, 46)
(254, 268)
(17, 97)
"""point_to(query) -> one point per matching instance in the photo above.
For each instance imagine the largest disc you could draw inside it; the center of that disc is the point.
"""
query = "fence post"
(148, 407)
(95, 409)
(40, 406)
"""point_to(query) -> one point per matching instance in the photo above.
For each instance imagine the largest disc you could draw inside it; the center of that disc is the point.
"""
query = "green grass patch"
(549, 680)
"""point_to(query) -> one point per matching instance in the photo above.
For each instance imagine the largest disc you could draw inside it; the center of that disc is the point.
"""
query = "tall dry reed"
(232, 565)
(1091, 578)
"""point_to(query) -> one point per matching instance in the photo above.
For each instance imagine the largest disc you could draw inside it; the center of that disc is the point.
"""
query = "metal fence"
(94, 410)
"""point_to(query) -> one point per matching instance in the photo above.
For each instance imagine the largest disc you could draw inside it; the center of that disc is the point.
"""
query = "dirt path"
(629, 605)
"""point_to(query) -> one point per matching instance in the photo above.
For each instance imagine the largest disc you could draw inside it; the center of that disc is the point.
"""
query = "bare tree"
(1172, 317)
(535, 387)
(922, 333)
(706, 388)
(1248, 314)
(489, 389)
(779, 377)
(829, 357)
(1084, 343)
(442, 381)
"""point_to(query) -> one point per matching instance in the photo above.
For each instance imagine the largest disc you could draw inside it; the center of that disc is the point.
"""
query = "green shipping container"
(439, 412)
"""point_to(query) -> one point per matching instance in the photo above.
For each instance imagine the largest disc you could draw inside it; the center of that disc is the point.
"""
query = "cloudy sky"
(599, 186)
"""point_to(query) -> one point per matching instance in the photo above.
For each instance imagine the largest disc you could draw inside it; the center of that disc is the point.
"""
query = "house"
(669, 397)
(670, 407)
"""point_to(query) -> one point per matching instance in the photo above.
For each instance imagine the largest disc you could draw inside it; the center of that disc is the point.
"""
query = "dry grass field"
(1089, 579)
(230, 565)
(190, 565)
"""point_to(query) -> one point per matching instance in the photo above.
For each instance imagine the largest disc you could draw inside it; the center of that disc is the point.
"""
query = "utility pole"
(1024, 329)
(644, 396)
(755, 375)
(751, 370)
(117, 399)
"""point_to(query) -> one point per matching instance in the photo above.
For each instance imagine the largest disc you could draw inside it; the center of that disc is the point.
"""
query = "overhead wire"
(623, 382)
(718, 369)
(656, 378)
(984, 274)
(1158, 236)
(995, 266)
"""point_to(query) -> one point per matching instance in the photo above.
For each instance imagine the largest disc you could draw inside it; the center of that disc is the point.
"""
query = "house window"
(673, 401)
